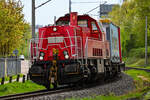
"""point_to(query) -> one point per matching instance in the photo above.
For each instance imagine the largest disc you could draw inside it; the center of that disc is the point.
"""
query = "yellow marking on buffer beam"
(36, 75)
(73, 73)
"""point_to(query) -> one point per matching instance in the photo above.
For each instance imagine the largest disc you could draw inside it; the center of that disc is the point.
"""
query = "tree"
(24, 48)
(12, 26)
(130, 16)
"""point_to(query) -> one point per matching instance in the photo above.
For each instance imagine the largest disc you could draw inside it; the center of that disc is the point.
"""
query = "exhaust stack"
(73, 19)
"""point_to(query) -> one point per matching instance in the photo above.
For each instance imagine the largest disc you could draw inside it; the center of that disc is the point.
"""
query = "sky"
(45, 14)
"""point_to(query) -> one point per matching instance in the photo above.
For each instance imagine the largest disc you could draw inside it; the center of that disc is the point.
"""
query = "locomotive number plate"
(55, 39)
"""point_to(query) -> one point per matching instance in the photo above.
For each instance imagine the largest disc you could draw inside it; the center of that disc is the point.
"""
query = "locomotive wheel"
(118, 71)
(80, 84)
(47, 84)
(93, 74)
(107, 73)
(55, 85)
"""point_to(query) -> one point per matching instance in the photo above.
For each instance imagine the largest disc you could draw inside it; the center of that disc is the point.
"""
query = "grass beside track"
(141, 81)
(16, 87)
(136, 62)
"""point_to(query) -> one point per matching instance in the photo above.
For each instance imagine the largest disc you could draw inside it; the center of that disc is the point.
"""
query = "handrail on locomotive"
(38, 46)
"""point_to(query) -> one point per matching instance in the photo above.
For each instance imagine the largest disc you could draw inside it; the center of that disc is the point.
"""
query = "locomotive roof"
(107, 21)
(79, 17)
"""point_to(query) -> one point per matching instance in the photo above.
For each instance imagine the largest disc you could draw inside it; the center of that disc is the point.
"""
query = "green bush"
(138, 52)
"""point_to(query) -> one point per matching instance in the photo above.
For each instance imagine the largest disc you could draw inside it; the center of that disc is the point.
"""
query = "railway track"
(60, 89)
(128, 68)
(35, 93)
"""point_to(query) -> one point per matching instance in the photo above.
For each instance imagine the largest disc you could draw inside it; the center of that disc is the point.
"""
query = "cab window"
(62, 23)
(82, 23)
(101, 27)
(94, 27)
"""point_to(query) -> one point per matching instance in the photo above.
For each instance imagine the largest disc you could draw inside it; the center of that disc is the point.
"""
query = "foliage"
(24, 48)
(147, 96)
(13, 28)
(136, 62)
(138, 52)
(135, 73)
(142, 82)
(16, 87)
(130, 16)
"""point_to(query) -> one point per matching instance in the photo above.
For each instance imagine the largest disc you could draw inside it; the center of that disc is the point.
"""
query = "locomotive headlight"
(54, 29)
(41, 58)
(66, 55)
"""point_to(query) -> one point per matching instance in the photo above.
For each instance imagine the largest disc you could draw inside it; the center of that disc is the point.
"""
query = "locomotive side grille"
(55, 39)
(97, 52)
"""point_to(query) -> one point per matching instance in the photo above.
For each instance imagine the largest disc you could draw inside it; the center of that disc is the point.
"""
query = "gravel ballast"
(119, 87)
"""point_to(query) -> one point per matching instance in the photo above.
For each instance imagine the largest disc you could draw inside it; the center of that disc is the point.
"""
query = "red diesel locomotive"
(75, 50)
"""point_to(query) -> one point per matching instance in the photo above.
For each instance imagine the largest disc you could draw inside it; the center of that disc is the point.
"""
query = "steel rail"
(128, 68)
(35, 94)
